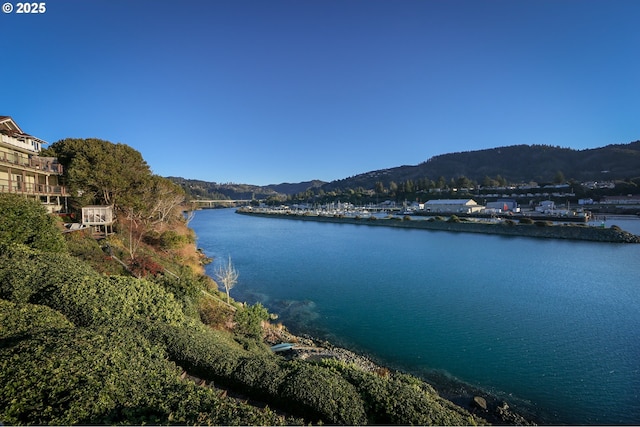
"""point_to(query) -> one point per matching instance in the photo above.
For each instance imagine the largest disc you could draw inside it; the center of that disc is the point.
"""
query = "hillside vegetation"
(513, 164)
(86, 338)
(500, 166)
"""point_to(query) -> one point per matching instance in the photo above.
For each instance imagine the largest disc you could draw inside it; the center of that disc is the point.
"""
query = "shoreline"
(493, 409)
(538, 230)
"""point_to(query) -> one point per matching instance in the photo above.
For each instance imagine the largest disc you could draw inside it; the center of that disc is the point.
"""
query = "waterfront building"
(24, 171)
(503, 205)
(621, 200)
(546, 206)
(453, 206)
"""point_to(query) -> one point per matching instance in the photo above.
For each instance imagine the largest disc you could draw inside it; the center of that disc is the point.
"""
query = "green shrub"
(453, 219)
(324, 393)
(113, 366)
(27, 222)
(19, 319)
(215, 313)
(527, 221)
(82, 295)
(249, 320)
(262, 373)
(401, 399)
(82, 245)
(24, 273)
(543, 223)
(170, 239)
(187, 288)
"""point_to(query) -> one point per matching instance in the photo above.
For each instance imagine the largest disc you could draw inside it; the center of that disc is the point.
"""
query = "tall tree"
(98, 171)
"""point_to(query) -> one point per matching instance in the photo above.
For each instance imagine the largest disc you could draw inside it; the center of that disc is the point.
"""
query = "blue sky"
(272, 91)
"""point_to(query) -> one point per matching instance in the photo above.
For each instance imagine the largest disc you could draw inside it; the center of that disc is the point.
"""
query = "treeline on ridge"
(542, 164)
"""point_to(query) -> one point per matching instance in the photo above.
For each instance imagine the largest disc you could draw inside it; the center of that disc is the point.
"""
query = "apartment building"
(24, 171)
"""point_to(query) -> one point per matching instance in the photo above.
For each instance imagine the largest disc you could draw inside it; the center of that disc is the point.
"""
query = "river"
(550, 326)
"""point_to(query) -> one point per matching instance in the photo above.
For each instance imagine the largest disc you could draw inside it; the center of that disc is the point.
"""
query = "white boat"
(281, 347)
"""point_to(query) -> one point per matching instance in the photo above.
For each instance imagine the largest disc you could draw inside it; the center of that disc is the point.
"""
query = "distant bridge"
(218, 202)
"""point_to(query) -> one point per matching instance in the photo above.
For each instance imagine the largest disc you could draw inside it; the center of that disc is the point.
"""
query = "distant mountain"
(516, 163)
(213, 190)
(300, 187)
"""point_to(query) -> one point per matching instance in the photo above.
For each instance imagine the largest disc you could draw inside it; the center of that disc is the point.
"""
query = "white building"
(98, 217)
(453, 206)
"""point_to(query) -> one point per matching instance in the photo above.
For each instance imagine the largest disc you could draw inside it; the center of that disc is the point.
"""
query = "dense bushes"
(86, 298)
(84, 376)
(19, 319)
(103, 360)
(27, 222)
(325, 393)
(25, 273)
(170, 239)
(401, 399)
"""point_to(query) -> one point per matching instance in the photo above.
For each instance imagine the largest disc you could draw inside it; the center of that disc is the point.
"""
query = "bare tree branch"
(228, 276)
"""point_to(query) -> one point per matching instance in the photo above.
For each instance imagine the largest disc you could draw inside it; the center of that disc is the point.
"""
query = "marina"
(525, 227)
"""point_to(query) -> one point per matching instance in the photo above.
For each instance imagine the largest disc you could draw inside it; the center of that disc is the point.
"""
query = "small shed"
(98, 217)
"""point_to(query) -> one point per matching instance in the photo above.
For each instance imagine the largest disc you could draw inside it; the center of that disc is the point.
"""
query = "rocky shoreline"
(488, 407)
(506, 228)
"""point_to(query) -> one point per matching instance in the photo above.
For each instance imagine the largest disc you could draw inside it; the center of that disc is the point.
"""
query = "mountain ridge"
(513, 163)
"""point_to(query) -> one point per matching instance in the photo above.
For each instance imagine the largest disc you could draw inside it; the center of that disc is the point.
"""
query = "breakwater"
(505, 228)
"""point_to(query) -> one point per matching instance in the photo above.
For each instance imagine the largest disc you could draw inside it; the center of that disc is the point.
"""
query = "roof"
(8, 124)
(9, 127)
(451, 202)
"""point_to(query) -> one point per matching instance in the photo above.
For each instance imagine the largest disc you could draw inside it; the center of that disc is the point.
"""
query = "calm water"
(553, 327)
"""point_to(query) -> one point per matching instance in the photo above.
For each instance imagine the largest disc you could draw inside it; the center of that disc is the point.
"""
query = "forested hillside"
(197, 189)
(514, 164)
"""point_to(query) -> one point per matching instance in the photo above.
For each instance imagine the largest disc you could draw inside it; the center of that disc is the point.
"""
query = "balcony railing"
(31, 188)
(44, 164)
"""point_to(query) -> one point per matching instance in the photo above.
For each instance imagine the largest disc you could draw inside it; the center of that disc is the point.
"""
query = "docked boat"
(281, 347)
